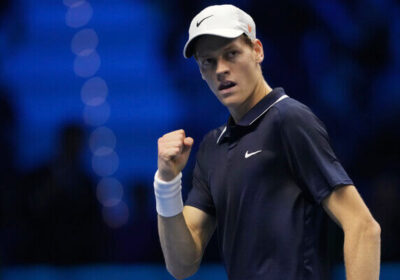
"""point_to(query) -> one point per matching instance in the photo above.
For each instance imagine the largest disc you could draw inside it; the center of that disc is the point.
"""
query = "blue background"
(341, 58)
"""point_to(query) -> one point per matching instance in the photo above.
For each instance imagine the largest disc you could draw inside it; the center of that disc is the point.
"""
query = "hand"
(173, 153)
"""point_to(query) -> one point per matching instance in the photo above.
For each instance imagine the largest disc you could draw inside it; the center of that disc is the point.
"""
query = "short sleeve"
(200, 194)
(309, 153)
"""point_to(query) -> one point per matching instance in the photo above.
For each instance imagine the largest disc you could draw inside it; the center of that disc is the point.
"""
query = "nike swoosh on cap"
(247, 155)
(199, 22)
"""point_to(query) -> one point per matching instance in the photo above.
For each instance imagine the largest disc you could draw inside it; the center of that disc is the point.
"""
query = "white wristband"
(168, 196)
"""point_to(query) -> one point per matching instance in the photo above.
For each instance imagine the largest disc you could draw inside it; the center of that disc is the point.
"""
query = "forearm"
(177, 241)
(181, 253)
(180, 246)
(362, 252)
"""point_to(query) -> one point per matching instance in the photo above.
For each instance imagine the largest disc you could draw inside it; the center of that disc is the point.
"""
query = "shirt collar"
(254, 113)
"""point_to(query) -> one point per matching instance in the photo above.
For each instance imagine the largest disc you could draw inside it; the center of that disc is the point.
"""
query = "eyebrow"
(226, 48)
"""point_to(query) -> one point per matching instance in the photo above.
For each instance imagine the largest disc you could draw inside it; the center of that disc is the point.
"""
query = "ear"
(258, 50)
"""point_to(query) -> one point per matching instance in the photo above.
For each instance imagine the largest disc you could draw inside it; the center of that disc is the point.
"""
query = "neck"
(259, 92)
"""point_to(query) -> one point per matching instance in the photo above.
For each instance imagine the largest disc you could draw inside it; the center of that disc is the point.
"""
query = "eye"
(232, 54)
(207, 61)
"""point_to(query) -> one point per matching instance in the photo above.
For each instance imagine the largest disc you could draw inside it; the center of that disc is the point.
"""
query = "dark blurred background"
(87, 87)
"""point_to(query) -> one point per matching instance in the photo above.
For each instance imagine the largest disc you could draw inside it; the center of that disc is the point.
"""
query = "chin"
(230, 102)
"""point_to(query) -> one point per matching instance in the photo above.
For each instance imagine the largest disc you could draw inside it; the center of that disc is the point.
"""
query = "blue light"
(78, 14)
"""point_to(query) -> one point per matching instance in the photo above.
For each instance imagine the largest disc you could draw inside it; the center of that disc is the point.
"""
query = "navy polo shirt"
(264, 178)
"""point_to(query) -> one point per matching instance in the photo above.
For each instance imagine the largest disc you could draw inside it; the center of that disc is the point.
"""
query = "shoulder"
(296, 121)
(211, 138)
(208, 145)
(289, 109)
(292, 113)
(214, 134)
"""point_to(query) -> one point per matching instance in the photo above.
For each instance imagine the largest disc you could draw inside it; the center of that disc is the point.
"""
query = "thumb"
(187, 144)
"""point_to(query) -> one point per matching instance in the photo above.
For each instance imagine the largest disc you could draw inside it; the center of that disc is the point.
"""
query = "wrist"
(168, 195)
(165, 177)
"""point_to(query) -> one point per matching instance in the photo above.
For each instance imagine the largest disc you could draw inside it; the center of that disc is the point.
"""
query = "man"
(263, 179)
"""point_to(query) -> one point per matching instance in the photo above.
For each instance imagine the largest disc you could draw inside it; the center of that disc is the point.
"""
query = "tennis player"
(263, 180)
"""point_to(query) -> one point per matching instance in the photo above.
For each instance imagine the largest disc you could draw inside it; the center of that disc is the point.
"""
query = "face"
(231, 69)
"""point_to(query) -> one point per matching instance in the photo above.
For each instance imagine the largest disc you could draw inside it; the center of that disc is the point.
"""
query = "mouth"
(226, 85)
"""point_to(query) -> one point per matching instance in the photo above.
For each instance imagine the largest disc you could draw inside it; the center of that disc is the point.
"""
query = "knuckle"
(172, 137)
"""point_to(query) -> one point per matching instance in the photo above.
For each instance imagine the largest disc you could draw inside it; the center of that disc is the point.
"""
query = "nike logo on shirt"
(247, 155)
(199, 22)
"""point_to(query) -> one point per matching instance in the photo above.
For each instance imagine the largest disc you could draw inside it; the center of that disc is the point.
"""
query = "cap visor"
(226, 33)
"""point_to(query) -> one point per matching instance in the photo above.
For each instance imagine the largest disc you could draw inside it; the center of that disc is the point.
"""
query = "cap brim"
(226, 33)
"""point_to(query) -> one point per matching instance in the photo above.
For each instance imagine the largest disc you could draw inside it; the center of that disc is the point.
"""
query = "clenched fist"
(173, 153)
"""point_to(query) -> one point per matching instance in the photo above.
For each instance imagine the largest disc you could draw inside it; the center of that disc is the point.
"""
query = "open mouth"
(226, 85)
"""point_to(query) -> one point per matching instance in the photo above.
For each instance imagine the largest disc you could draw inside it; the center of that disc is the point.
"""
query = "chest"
(247, 167)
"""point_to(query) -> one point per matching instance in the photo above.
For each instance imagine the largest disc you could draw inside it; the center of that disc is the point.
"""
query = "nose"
(222, 68)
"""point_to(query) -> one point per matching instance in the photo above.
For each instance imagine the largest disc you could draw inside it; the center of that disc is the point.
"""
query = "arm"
(184, 231)
(361, 233)
(183, 240)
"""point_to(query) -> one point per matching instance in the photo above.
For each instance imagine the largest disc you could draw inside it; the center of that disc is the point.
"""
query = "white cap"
(220, 20)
